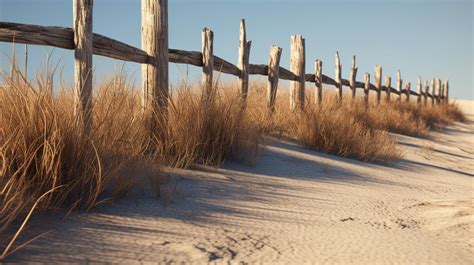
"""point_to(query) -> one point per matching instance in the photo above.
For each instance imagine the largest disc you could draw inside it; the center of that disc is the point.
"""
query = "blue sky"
(420, 37)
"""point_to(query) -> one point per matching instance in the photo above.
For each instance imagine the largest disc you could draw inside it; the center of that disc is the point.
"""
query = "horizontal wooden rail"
(62, 37)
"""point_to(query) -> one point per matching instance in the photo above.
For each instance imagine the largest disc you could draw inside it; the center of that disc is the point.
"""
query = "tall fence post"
(425, 94)
(155, 83)
(207, 62)
(438, 90)
(243, 62)
(446, 91)
(352, 77)
(399, 85)
(273, 76)
(338, 79)
(407, 92)
(433, 92)
(378, 81)
(297, 93)
(83, 48)
(441, 93)
(419, 90)
(366, 88)
(388, 87)
(318, 80)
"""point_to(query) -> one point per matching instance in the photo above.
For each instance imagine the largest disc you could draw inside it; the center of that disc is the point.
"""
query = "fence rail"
(155, 41)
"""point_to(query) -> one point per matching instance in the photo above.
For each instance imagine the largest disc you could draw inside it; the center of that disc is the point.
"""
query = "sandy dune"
(295, 206)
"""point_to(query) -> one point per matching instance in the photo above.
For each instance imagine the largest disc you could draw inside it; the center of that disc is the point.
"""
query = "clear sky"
(430, 38)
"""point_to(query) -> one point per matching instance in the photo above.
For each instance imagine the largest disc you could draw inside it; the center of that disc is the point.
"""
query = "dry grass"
(331, 128)
(408, 118)
(47, 164)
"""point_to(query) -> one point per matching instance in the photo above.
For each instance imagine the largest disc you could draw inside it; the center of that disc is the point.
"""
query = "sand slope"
(295, 206)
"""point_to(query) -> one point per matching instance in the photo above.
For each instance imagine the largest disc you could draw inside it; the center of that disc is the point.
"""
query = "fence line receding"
(155, 56)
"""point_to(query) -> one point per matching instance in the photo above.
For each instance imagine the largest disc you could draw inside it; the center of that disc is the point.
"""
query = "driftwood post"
(388, 87)
(441, 91)
(407, 91)
(352, 77)
(297, 93)
(426, 91)
(366, 88)
(378, 81)
(207, 62)
(438, 90)
(318, 80)
(338, 68)
(433, 92)
(399, 85)
(419, 89)
(155, 84)
(273, 76)
(243, 62)
(83, 45)
(446, 91)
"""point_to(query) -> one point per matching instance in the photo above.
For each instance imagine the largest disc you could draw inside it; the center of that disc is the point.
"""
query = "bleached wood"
(419, 90)
(243, 62)
(441, 93)
(208, 62)
(318, 78)
(426, 91)
(352, 78)
(83, 43)
(338, 77)
(366, 88)
(297, 92)
(446, 91)
(407, 91)
(438, 90)
(388, 87)
(433, 91)
(399, 85)
(273, 76)
(155, 83)
(378, 82)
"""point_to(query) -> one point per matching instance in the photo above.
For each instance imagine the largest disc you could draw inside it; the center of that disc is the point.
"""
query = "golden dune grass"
(43, 154)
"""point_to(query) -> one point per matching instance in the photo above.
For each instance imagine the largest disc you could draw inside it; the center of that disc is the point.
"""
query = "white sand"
(295, 206)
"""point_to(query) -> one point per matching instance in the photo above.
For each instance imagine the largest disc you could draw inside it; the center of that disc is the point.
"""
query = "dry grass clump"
(392, 117)
(43, 151)
(209, 130)
(330, 128)
(44, 154)
(408, 118)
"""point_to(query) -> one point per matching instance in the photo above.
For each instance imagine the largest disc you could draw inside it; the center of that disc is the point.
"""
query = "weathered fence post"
(446, 91)
(438, 90)
(399, 85)
(154, 39)
(427, 89)
(366, 88)
(407, 92)
(418, 90)
(318, 80)
(378, 81)
(83, 45)
(441, 91)
(273, 76)
(433, 92)
(338, 78)
(243, 62)
(352, 77)
(207, 62)
(388, 87)
(297, 92)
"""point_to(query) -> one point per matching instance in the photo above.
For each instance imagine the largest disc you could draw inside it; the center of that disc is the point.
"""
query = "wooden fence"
(155, 57)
